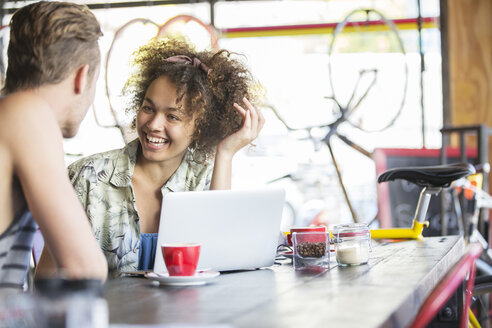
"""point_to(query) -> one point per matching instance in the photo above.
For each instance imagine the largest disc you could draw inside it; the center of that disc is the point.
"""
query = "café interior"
(364, 199)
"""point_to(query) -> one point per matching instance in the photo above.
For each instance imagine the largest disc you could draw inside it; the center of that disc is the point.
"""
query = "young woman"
(192, 114)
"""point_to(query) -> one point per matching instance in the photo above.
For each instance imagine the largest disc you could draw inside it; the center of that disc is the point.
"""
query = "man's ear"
(80, 79)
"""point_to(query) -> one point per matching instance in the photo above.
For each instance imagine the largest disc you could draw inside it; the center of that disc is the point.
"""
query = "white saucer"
(200, 278)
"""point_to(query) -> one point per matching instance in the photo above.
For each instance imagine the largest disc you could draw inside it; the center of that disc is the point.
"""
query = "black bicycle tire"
(483, 285)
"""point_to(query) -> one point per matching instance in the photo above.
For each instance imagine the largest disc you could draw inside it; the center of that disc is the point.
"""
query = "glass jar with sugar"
(352, 244)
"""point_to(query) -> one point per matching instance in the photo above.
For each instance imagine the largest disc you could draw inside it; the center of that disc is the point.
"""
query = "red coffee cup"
(303, 229)
(181, 258)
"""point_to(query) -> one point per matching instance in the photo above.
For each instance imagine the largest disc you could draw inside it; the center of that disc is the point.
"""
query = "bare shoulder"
(23, 117)
(23, 106)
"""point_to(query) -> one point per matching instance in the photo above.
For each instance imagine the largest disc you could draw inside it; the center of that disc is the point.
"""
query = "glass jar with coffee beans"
(311, 251)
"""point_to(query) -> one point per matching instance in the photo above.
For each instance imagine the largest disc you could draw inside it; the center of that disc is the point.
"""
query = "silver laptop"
(237, 229)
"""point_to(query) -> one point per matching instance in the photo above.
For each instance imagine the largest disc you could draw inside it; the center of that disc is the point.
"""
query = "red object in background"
(321, 219)
(303, 229)
(462, 271)
(388, 158)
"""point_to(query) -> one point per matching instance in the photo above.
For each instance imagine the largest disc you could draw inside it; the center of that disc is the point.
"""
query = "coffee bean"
(311, 249)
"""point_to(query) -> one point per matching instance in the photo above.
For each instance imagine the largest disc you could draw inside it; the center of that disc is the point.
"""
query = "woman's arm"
(253, 122)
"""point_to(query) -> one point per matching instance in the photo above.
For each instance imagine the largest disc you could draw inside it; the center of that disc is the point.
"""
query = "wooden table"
(387, 292)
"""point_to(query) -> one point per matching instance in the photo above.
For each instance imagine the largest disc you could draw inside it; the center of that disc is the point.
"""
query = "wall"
(467, 63)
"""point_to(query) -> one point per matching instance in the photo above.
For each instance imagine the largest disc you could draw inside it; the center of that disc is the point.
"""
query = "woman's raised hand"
(253, 122)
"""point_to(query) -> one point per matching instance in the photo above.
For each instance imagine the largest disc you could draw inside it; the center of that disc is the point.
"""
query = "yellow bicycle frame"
(419, 222)
(415, 232)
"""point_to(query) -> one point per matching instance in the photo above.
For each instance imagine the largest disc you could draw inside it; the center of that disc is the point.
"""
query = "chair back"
(463, 270)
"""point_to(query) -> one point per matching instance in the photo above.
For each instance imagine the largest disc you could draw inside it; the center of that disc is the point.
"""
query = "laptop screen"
(237, 229)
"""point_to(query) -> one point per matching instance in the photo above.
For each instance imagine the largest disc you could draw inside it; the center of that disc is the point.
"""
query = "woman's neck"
(155, 173)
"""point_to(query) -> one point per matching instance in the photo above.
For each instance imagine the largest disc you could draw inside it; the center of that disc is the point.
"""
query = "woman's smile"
(156, 143)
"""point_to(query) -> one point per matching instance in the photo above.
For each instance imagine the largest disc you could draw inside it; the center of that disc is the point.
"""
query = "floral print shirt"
(103, 183)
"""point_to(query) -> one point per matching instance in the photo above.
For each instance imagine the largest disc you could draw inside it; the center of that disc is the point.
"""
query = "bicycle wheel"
(126, 40)
(4, 39)
(199, 33)
(368, 72)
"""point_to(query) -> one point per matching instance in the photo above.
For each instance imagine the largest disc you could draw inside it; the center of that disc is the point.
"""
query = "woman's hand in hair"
(253, 122)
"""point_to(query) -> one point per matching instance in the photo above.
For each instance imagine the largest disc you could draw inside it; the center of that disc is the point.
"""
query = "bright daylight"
(247, 163)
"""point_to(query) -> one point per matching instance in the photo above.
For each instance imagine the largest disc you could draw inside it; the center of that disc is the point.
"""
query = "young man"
(53, 64)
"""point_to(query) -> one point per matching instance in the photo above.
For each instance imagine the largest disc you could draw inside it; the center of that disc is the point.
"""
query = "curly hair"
(206, 98)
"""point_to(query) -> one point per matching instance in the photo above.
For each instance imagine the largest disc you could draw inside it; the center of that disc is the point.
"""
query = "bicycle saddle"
(429, 176)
